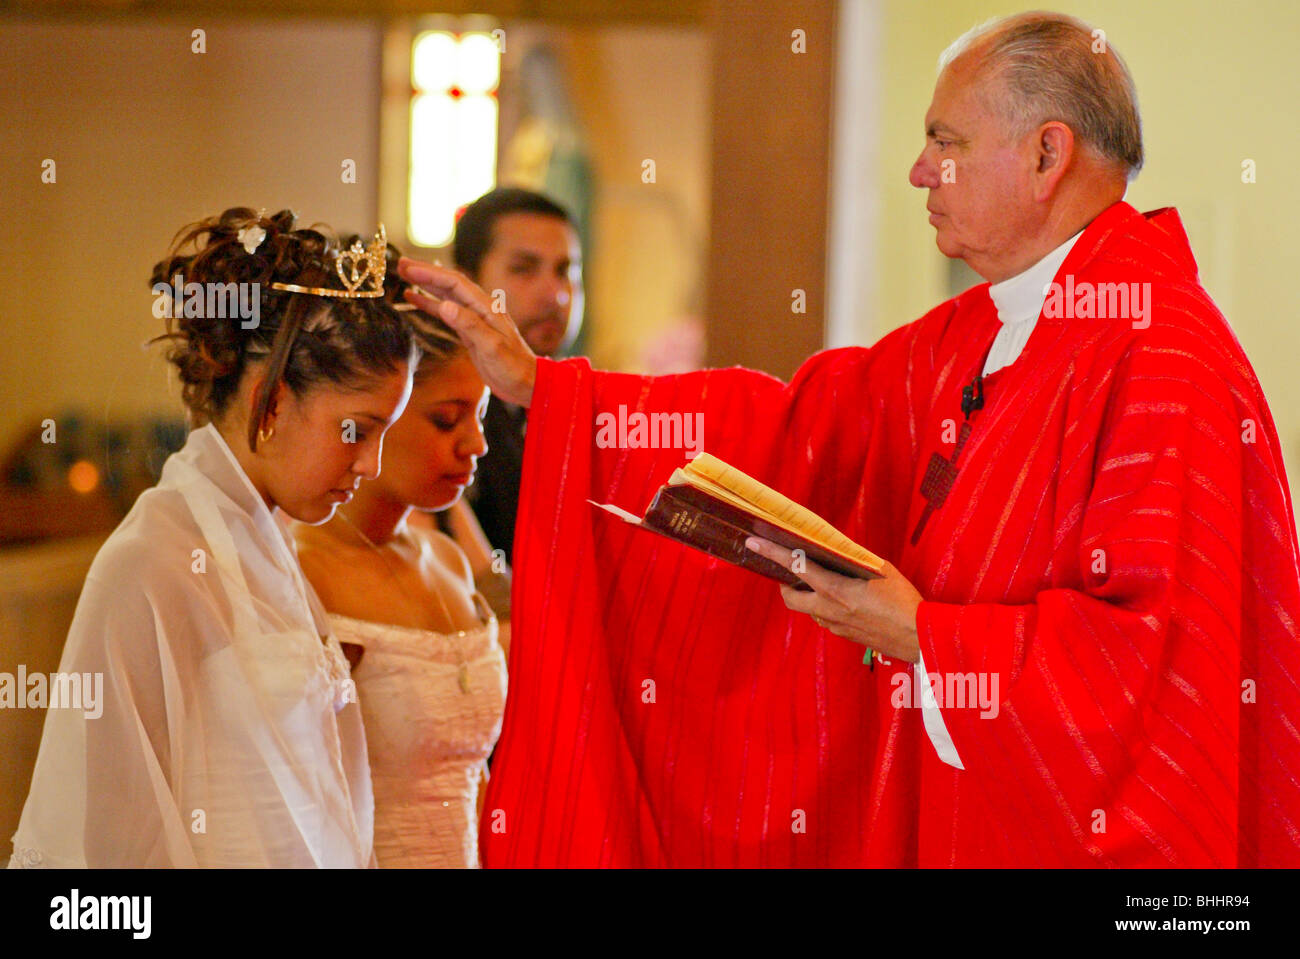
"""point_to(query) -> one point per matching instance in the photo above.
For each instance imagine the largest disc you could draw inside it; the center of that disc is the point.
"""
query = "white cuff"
(932, 716)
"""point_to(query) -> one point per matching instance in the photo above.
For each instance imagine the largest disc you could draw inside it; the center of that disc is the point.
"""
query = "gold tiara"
(357, 266)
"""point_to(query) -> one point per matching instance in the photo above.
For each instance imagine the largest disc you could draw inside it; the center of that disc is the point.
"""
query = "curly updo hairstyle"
(305, 339)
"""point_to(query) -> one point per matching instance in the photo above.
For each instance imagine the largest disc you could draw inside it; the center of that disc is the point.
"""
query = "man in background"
(523, 250)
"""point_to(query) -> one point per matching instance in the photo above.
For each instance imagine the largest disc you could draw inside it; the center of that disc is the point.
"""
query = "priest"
(1084, 648)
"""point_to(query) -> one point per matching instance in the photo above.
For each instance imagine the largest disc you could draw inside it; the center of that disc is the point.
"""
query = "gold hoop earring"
(264, 435)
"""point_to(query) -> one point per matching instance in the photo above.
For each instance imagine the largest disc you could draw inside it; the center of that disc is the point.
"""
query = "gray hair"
(1050, 69)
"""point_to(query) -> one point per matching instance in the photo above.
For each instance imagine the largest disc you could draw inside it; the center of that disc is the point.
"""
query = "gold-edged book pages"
(708, 473)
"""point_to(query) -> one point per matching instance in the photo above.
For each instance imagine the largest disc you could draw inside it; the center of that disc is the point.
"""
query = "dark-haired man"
(523, 250)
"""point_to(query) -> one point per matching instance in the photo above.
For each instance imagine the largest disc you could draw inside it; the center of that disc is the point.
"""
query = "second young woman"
(431, 675)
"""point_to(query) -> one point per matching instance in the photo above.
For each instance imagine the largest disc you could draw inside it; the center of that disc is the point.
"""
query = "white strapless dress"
(428, 738)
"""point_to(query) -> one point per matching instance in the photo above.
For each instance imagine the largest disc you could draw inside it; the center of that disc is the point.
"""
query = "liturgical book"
(713, 507)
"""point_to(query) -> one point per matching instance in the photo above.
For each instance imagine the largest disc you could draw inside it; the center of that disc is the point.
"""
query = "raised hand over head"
(503, 359)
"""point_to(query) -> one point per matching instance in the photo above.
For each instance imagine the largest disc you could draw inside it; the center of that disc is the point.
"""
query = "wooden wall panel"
(771, 150)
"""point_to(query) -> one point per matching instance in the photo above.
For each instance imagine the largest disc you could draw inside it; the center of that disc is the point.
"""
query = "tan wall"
(642, 93)
(148, 136)
(1216, 84)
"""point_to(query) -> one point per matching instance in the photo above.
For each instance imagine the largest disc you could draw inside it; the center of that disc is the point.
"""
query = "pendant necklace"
(941, 472)
(462, 668)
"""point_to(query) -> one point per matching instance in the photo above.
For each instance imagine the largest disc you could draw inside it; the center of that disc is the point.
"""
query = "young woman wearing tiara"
(431, 677)
(230, 733)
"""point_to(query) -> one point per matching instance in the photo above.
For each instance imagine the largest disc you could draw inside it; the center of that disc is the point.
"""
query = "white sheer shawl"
(230, 733)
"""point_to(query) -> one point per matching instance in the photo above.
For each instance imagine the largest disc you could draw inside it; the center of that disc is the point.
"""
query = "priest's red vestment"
(1118, 549)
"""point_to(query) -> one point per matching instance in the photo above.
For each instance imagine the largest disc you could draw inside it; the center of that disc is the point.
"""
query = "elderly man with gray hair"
(1087, 622)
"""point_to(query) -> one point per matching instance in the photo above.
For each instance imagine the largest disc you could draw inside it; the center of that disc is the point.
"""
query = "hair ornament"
(251, 237)
(361, 269)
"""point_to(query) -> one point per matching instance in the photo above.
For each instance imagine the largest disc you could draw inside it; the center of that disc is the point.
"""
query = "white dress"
(230, 733)
(429, 740)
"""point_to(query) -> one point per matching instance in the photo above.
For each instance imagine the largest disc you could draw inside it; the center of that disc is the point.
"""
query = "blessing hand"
(503, 359)
(879, 613)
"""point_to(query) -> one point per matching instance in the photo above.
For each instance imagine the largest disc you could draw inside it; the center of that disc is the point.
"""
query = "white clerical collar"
(1020, 298)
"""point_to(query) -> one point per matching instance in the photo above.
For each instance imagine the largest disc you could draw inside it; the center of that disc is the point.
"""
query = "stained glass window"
(454, 81)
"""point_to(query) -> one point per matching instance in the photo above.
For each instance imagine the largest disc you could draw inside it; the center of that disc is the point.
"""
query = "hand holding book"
(720, 510)
(713, 507)
(879, 613)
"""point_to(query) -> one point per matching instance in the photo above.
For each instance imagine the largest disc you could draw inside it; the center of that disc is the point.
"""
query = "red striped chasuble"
(1115, 562)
